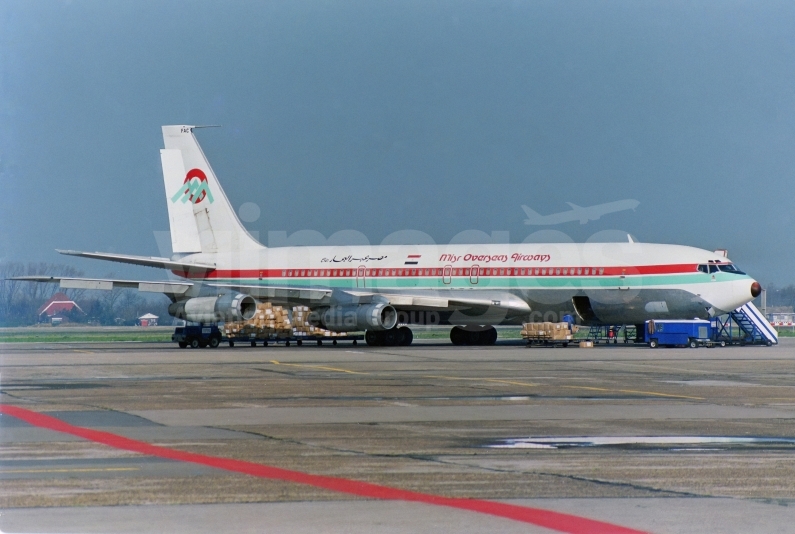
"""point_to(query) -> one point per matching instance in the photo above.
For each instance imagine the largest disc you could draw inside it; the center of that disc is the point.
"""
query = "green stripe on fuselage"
(499, 282)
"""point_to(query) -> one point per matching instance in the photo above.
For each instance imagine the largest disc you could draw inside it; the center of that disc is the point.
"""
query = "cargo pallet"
(298, 340)
(547, 334)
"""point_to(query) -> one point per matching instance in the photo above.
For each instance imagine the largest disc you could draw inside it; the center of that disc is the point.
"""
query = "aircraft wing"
(303, 295)
(172, 289)
(146, 261)
(452, 299)
(489, 307)
(409, 300)
(485, 301)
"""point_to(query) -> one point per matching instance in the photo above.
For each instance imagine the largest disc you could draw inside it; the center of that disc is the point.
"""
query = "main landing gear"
(393, 337)
(462, 336)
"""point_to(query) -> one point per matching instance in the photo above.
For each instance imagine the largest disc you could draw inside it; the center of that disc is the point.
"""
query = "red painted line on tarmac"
(544, 518)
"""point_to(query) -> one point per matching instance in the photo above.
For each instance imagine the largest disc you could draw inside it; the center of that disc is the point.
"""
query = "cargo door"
(360, 276)
(474, 273)
(583, 308)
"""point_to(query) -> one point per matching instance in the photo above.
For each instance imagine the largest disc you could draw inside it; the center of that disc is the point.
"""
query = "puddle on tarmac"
(714, 383)
(674, 443)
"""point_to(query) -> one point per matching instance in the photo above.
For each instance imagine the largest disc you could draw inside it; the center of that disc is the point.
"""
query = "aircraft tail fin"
(200, 216)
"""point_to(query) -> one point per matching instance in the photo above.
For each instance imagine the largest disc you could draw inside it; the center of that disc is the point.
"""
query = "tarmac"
(656, 440)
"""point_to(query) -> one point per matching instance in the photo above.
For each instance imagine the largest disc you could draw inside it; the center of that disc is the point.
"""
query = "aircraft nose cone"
(756, 289)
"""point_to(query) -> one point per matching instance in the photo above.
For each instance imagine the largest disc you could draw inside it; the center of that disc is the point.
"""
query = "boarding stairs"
(752, 328)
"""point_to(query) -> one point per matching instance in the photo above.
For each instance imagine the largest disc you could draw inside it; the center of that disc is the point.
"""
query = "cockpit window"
(729, 268)
(713, 268)
(703, 269)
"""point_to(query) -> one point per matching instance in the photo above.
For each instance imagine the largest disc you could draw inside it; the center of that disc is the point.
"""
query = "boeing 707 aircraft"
(382, 290)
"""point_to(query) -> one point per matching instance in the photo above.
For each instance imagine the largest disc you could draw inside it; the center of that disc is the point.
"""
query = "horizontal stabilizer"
(146, 261)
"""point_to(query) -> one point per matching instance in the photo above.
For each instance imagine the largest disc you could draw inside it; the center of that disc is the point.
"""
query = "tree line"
(20, 301)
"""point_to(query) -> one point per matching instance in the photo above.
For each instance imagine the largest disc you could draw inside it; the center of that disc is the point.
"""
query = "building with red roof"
(59, 305)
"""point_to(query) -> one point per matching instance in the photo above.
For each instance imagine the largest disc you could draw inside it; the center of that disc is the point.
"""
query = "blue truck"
(197, 336)
(693, 333)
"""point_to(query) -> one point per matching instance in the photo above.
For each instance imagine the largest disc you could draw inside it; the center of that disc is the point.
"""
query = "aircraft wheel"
(214, 342)
(408, 336)
(392, 337)
(372, 338)
(475, 337)
(458, 336)
(491, 336)
(653, 344)
(194, 343)
(183, 345)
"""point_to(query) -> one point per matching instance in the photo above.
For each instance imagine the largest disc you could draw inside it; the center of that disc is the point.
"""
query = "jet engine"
(353, 318)
(226, 307)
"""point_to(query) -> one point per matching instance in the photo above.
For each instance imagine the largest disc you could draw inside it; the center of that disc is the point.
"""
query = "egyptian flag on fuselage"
(413, 259)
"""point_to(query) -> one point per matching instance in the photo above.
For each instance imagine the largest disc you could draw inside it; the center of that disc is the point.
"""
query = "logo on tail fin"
(194, 188)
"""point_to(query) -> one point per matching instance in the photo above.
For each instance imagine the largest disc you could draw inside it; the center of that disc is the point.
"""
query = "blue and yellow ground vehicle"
(688, 333)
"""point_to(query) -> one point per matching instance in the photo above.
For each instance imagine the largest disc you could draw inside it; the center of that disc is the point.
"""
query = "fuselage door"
(474, 273)
(447, 274)
(360, 276)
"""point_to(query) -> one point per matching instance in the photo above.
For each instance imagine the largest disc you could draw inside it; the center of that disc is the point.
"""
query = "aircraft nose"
(756, 289)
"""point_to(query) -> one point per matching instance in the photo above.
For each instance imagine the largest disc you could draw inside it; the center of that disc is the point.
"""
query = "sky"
(395, 121)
